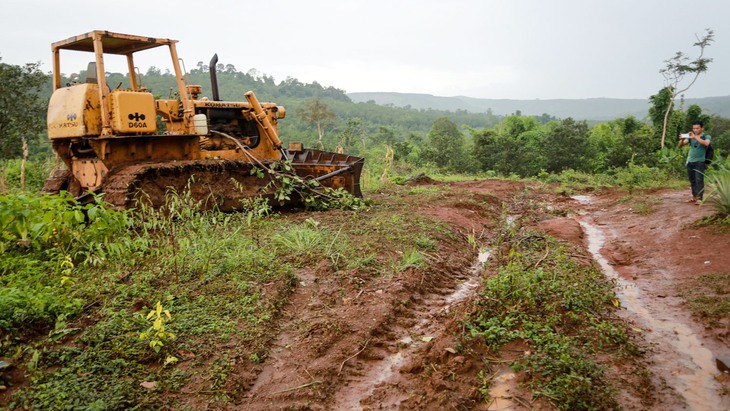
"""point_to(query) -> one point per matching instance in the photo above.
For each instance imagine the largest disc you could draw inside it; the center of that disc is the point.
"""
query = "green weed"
(562, 309)
(411, 259)
(156, 334)
(301, 240)
(425, 242)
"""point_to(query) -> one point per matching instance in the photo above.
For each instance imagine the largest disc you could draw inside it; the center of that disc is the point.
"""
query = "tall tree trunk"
(320, 135)
(666, 119)
(22, 164)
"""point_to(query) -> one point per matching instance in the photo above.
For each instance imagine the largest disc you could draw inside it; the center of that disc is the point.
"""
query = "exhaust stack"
(214, 78)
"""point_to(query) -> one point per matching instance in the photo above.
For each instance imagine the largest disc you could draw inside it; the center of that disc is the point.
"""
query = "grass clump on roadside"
(709, 297)
(632, 177)
(563, 310)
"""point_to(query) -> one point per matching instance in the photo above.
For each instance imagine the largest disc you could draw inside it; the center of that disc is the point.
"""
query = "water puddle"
(465, 289)
(585, 200)
(691, 366)
(499, 390)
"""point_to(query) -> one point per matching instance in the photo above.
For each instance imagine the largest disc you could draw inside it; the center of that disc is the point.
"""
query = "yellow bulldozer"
(132, 146)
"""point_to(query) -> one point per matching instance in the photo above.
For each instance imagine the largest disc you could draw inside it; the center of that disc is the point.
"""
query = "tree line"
(463, 142)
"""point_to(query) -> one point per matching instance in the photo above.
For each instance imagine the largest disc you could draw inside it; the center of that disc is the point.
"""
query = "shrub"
(718, 184)
(36, 172)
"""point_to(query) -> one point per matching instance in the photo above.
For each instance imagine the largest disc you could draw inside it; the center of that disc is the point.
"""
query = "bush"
(718, 185)
(59, 223)
(36, 172)
(34, 306)
(43, 239)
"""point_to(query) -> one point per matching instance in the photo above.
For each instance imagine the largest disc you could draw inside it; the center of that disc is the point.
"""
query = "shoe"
(694, 199)
(698, 202)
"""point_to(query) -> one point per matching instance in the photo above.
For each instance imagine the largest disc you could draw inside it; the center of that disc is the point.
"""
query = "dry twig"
(309, 384)
(353, 356)
(547, 250)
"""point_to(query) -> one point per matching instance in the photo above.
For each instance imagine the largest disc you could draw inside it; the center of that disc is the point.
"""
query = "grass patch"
(709, 297)
(91, 275)
(646, 204)
(425, 190)
(633, 177)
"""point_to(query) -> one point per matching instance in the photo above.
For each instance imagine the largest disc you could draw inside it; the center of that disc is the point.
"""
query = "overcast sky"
(528, 49)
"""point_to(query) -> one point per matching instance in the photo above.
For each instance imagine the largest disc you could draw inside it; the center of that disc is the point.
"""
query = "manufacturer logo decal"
(136, 120)
(70, 122)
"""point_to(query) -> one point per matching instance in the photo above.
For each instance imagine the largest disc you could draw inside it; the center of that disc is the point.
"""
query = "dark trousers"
(696, 174)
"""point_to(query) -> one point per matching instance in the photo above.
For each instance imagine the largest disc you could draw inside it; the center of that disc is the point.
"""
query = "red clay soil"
(346, 347)
(390, 344)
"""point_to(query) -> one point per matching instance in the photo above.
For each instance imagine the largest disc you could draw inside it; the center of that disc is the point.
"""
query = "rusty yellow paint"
(89, 173)
(74, 111)
(133, 112)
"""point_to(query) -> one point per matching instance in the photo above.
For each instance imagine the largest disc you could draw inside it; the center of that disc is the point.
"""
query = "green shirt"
(697, 150)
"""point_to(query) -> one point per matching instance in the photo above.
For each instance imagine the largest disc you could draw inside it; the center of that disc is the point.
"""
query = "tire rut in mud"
(379, 383)
(341, 347)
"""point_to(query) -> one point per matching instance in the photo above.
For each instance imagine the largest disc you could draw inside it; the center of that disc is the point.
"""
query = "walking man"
(698, 142)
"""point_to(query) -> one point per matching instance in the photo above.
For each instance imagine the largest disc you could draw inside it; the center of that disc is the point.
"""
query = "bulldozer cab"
(114, 111)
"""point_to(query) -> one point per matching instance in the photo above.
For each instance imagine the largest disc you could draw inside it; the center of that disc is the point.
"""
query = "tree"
(694, 114)
(385, 135)
(22, 111)
(317, 112)
(615, 143)
(446, 147)
(680, 66)
(720, 135)
(352, 133)
(566, 146)
(485, 142)
(513, 147)
(401, 150)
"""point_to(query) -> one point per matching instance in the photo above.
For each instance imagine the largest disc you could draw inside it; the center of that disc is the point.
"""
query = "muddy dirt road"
(389, 342)
(655, 253)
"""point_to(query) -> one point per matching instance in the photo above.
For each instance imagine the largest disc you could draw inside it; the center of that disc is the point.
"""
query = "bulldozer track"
(220, 184)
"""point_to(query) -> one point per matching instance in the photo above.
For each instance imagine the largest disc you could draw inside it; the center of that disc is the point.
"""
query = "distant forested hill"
(580, 109)
(383, 123)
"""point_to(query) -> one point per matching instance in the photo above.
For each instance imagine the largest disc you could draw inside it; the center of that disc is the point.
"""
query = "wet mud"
(643, 254)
